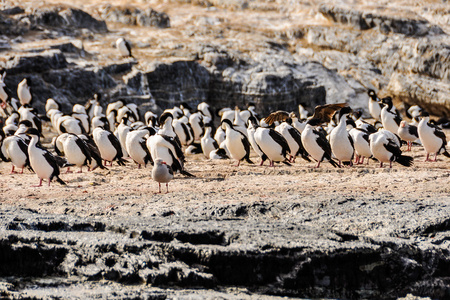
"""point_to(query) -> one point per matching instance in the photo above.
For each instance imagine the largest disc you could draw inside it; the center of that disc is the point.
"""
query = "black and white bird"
(136, 144)
(108, 145)
(124, 47)
(251, 129)
(15, 150)
(169, 150)
(362, 146)
(162, 173)
(45, 165)
(236, 142)
(273, 145)
(208, 143)
(76, 152)
(183, 131)
(28, 113)
(432, 137)
(341, 141)
(374, 105)
(197, 125)
(408, 133)
(389, 117)
(385, 147)
(24, 91)
(294, 139)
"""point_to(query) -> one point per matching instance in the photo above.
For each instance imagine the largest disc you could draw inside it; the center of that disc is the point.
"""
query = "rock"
(32, 63)
(67, 19)
(388, 20)
(429, 93)
(133, 16)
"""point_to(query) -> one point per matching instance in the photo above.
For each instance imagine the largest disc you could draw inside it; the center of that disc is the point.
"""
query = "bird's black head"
(226, 121)
(350, 121)
(424, 114)
(357, 113)
(32, 131)
(184, 105)
(164, 117)
(372, 94)
(252, 120)
(387, 100)
(151, 130)
(26, 123)
(345, 110)
(314, 122)
(29, 81)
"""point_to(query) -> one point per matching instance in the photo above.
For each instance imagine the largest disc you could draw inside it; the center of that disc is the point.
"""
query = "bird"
(385, 147)
(169, 150)
(315, 141)
(302, 112)
(45, 165)
(374, 105)
(432, 137)
(252, 125)
(124, 47)
(236, 142)
(24, 92)
(15, 150)
(294, 139)
(137, 147)
(273, 145)
(76, 151)
(341, 141)
(197, 125)
(360, 138)
(162, 173)
(52, 104)
(389, 118)
(205, 109)
(408, 133)
(208, 143)
(108, 145)
(183, 131)
(28, 113)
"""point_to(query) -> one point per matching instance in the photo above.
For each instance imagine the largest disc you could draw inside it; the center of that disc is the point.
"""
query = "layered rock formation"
(282, 57)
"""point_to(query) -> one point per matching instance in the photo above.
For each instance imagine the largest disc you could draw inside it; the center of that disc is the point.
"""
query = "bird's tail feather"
(446, 153)
(333, 163)
(405, 160)
(248, 160)
(186, 173)
(60, 180)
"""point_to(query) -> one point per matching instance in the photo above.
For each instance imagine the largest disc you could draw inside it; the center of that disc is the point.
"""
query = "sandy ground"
(128, 191)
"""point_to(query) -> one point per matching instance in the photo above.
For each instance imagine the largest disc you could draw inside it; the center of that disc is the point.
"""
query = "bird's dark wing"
(393, 148)
(176, 145)
(440, 134)
(397, 119)
(186, 131)
(276, 116)
(84, 148)
(412, 130)
(169, 169)
(325, 112)
(279, 138)
(24, 148)
(322, 142)
(116, 144)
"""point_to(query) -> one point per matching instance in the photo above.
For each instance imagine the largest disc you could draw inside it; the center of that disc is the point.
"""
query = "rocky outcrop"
(133, 16)
(312, 249)
(384, 19)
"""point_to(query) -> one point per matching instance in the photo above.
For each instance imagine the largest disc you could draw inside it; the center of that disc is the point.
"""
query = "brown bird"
(324, 113)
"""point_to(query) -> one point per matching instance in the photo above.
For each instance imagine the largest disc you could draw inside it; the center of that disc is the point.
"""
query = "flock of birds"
(92, 137)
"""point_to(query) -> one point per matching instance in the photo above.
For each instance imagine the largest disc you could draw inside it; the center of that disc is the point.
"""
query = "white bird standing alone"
(162, 173)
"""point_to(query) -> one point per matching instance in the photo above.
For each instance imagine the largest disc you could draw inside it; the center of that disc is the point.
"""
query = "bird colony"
(94, 136)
